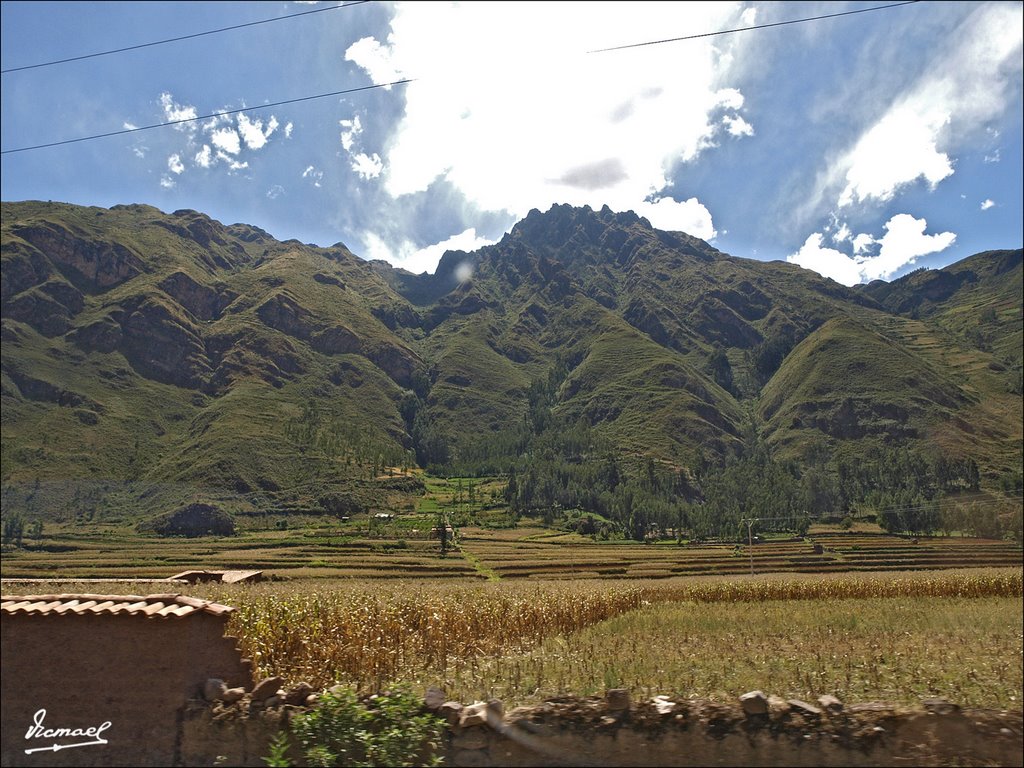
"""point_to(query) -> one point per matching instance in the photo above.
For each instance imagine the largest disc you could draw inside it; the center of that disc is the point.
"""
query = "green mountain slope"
(153, 358)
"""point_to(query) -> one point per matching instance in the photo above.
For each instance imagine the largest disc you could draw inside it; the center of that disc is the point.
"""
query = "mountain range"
(151, 358)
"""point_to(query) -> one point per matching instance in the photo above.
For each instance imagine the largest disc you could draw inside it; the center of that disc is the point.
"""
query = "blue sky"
(862, 146)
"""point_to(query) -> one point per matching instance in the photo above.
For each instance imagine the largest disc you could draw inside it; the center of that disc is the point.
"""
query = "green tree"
(13, 530)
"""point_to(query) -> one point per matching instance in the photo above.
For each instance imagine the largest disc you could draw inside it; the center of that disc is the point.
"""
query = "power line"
(205, 117)
(179, 39)
(755, 26)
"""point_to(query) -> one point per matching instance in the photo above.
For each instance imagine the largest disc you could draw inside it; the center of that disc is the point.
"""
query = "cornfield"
(371, 633)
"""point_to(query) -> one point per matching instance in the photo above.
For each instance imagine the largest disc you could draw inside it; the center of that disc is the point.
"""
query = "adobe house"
(111, 673)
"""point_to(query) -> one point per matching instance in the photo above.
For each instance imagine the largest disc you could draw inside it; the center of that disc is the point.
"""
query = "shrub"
(390, 729)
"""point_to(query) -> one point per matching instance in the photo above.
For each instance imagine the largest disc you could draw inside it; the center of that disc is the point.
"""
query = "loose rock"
(231, 695)
(804, 708)
(617, 699)
(830, 703)
(214, 689)
(266, 688)
(754, 703)
(450, 711)
(474, 714)
(434, 698)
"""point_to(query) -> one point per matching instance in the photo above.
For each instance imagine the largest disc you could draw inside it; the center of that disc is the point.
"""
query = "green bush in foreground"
(389, 729)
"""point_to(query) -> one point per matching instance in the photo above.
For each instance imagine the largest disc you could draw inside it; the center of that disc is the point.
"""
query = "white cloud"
(174, 164)
(275, 191)
(902, 244)
(367, 166)
(827, 262)
(288, 130)
(375, 58)
(749, 17)
(174, 112)
(313, 174)
(842, 234)
(862, 243)
(204, 158)
(417, 260)
(737, 126)
(969, 82)
(897, 150)
(514, 135)
(992, 158)
(253, 134)
(689, 216)
(349, 130)
(226, 140)
(167, 182)
(986, 204)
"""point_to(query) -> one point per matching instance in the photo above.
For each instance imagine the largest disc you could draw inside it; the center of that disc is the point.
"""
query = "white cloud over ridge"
(969, 83)
(418, 260)
(513, 132)
(902, 244)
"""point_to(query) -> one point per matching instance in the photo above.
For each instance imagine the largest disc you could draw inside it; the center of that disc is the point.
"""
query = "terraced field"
(404, 550)
(548, 555)
(111, 555)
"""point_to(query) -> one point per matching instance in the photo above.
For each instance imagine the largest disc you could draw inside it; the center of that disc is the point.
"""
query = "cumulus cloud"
(221, 140)
(367, 166)
(204, 157)
(689, 216)
(986, 204)
(862, 243)
(350, 129)
(827, 262)
(167, 182)
(253, 133)
(969, 83)
(376, 59)
(737, 126)
(897, 150)
(842, 234)
(226, 140)
(174, 112)
(417, 260)
(608, 129)
(902, 244)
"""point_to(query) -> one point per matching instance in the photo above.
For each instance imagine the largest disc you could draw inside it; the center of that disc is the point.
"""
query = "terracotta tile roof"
(169, 606)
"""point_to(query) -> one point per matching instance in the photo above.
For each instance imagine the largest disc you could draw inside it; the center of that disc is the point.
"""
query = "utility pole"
(750, 540)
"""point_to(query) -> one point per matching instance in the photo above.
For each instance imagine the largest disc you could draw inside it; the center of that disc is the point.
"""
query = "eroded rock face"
(163, 346)
(283, 313)
(202, 301)
(23, 267)
(91, 264)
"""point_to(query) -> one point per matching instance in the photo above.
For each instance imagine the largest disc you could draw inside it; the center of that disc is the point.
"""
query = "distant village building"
(110, 672)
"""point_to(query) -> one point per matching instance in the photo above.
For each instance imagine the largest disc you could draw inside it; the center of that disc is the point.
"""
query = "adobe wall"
(129, 671)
